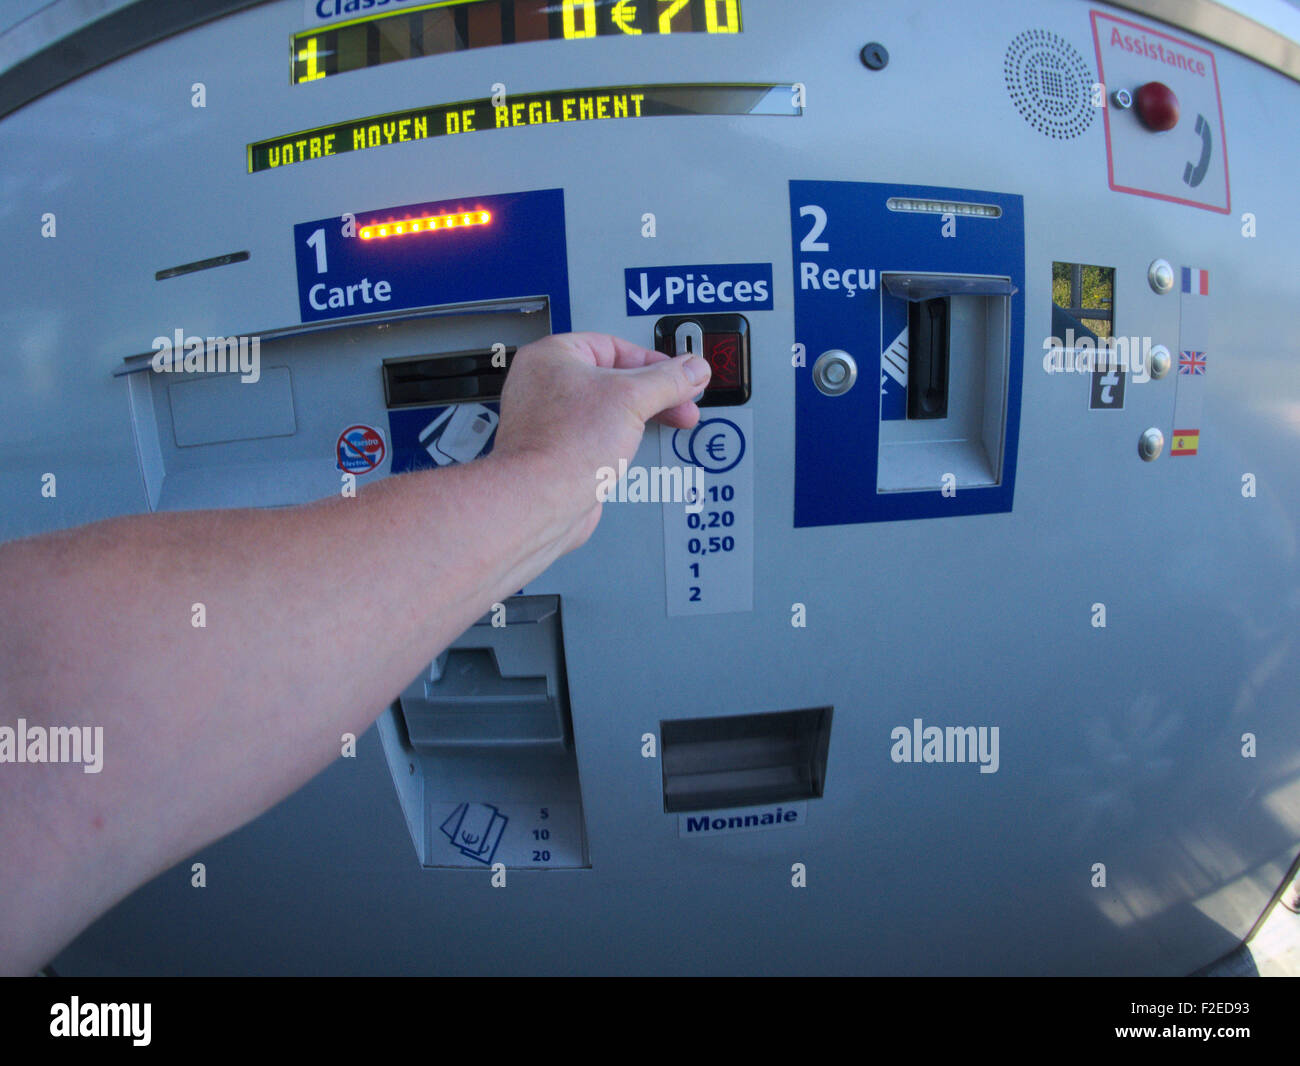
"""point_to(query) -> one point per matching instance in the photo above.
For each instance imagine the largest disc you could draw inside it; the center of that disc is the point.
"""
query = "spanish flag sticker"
(1185, 441)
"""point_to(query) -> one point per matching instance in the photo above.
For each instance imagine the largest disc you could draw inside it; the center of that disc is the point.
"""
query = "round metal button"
(835, 372)
(1161, 361)
(1161, 276)
(1151, 444)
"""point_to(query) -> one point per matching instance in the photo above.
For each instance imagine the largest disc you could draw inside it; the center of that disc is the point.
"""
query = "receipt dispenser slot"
(958, 382)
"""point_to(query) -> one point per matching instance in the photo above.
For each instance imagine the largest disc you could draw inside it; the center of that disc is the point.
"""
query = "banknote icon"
(475, 829)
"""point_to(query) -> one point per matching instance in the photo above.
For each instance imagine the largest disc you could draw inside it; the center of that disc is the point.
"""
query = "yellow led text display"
(457, 25)
(531, 109)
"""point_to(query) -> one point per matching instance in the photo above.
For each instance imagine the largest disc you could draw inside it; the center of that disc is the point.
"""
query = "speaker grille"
(1050, 84)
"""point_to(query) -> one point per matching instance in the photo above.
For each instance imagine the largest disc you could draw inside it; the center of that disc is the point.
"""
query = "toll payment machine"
(959, 637)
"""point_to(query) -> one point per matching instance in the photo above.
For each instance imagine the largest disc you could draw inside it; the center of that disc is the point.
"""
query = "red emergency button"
(1157, 106)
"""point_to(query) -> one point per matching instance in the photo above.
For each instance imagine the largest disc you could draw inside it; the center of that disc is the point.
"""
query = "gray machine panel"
(1119, 745)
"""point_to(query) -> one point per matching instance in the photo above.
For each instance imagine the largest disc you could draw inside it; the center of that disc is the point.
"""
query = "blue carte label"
(674, 290)
(519, 252)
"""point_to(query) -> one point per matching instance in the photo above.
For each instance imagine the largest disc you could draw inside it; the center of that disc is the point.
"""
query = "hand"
(576, 402)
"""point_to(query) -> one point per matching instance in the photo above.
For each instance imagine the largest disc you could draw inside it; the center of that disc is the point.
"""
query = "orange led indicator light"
(405, 226)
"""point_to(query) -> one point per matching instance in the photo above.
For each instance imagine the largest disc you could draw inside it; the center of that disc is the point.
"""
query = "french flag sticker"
(1196, 281)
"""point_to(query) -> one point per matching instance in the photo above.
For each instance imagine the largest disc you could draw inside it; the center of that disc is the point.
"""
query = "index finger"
(614, 352)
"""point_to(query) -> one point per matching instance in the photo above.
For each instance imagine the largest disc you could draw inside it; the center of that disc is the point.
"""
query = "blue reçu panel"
(852, 233)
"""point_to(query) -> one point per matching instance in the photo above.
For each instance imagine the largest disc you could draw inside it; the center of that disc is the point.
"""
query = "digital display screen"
(436, 29)
(525, 109)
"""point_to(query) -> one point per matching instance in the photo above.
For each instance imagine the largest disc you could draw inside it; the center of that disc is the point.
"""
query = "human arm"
(204, 728)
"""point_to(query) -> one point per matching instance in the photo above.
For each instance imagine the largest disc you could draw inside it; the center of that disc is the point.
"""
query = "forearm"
(315, 617)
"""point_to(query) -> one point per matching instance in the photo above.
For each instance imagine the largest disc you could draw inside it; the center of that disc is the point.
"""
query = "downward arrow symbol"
(643, 299)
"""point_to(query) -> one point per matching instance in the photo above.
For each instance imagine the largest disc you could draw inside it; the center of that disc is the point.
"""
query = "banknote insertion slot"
(496, 685)
(481, 749)
(744, 760)
(453, 377)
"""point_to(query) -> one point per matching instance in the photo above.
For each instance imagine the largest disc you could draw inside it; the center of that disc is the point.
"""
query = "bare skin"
(97, 631)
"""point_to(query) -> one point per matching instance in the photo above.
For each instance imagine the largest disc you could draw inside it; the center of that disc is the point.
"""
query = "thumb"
(667, 383)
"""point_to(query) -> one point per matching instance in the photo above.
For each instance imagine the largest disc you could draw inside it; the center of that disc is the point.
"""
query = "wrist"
(554, 494)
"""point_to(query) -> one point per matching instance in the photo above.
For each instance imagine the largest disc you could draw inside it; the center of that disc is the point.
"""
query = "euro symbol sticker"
(717, 444)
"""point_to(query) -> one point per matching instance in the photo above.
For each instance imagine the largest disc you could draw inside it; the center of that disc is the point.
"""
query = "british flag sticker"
(1190, 362)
